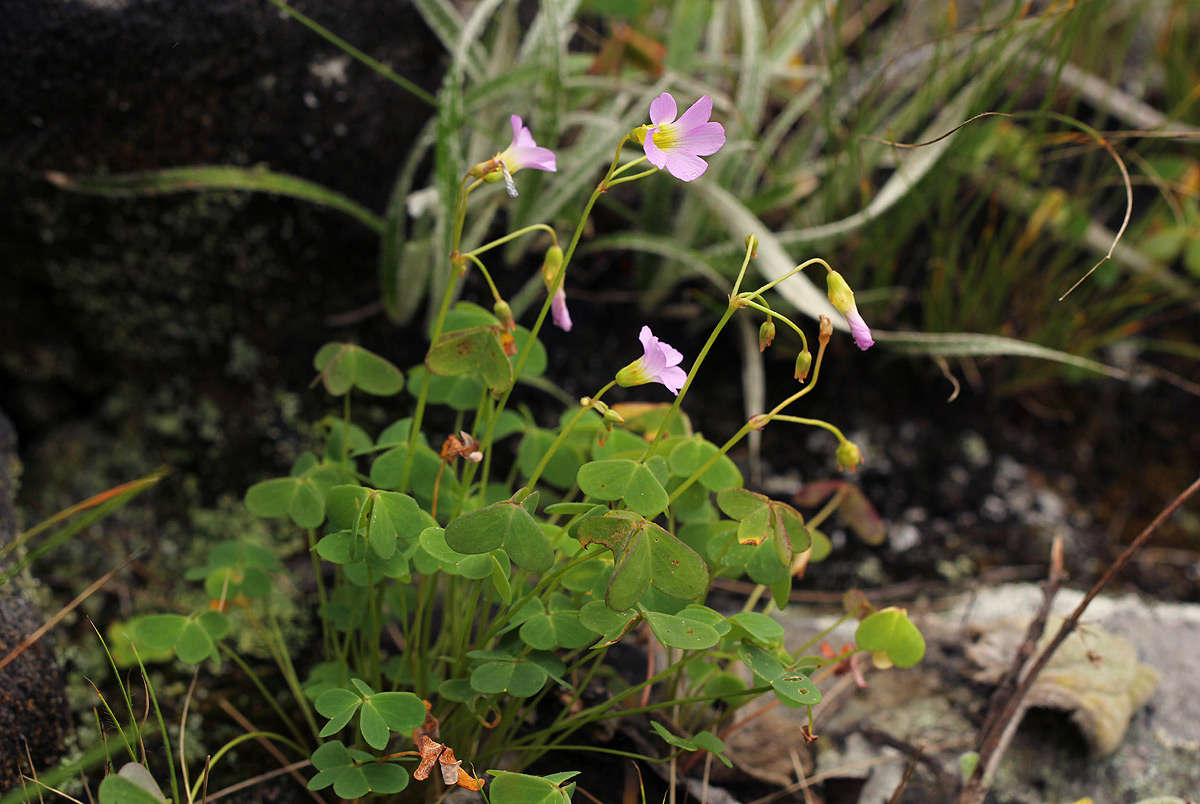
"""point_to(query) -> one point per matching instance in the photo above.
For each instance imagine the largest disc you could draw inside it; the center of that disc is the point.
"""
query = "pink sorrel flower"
(523, 152)
(659, 363)
(842, 298)
(677, 145)
(558, 310)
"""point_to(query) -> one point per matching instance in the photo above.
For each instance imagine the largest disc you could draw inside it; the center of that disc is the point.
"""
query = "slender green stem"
(763, 308)
(523, 356)
(234, 743)
(782, 417)
(320, 581)
(460, 215)
(827, 509)
(500, 241)
(289, 675)
(351, 50)
(824, 633)
(631, 163)
(262, 688)
(791, 273)
(634, 177)
(751, 246)
(486, 275)
(562, 436)
(162, 727)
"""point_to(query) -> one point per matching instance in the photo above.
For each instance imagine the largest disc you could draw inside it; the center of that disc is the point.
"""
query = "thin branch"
(976, 787)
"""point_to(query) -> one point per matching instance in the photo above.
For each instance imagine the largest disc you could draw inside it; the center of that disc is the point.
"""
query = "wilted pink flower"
(677, 145)
(658, 363)
(523, 152)
(558, 309)
(842, 298)
(859, 329)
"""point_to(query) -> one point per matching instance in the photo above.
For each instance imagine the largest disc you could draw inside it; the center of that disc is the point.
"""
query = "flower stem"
(460, 215)
(486, 275)
(562, 436)
(791, 273)
(745, 298)
(499, 241)
(523, 356)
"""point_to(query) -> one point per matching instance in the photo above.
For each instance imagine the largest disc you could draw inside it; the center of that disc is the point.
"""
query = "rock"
(33, 703)
(1153, 739)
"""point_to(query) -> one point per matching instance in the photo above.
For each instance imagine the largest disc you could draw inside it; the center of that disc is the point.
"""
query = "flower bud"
(766, 334)
(840, 294)
(848, 455)
(752, 245)
(803, 364)
(552, 265)
(505, 314)
(611, 417)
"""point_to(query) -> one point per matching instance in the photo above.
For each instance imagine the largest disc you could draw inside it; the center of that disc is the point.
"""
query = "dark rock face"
(198, 308)
(33, 704)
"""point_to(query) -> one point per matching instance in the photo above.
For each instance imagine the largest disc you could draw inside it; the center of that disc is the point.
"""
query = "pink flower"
(523, 152)
(859, 329)
(658, 363)
(558, 309)
(842, 298)
(677, 145)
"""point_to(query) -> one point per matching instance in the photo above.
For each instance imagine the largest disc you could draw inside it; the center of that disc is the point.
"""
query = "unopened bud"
(611, 417)
(803, 364)
(505, 314)
(766, 334)
(825, 331)
(752, 245)
(551, 265)
(848, 455)
(840, 294)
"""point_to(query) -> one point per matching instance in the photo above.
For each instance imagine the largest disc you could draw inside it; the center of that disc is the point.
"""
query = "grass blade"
(215, 177)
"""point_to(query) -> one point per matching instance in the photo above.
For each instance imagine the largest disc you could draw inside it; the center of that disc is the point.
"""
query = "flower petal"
(558, 309)
(684, 166)
(517, 125)
(653, 359)
(859, 329)
(673, 378)
(671, 355)
(703, 140)
(662, 109)
(656, 155)
(697, 114)
(534, 156)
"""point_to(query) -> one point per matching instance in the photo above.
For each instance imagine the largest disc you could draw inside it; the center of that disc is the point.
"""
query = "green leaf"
(671, 739)
(891, 632)
(159, 631)
(476, 352)
(343, 366)
(519, 679)
(193, 645)
(633, 482)
(676, 569)
(500, 580)
(676, 631)
(757, 627)
(120, 790)
(559, 629)
(520, 788)
(563, 464)
(385, 777)
(796, 688)
(216, 177)
(761, 663)
(502, 524)
(694, 452)
(287, 496)
(338, 547)
(632, 572)
(611, 625)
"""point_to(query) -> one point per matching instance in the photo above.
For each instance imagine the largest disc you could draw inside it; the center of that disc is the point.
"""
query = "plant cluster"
(469, 594)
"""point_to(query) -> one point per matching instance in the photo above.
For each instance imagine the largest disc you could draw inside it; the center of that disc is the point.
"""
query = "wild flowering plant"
(468, 601)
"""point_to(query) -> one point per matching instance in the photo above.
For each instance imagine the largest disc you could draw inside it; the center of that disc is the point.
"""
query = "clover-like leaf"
(517, 678)
(343, 366)
(475, 351)
(297, 497)
(692, 453)
(889, 632)
(623, 479)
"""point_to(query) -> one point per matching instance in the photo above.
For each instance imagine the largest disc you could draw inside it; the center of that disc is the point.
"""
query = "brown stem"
(976, 787)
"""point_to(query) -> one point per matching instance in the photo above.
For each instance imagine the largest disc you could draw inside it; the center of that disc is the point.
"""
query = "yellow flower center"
(667, 137)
